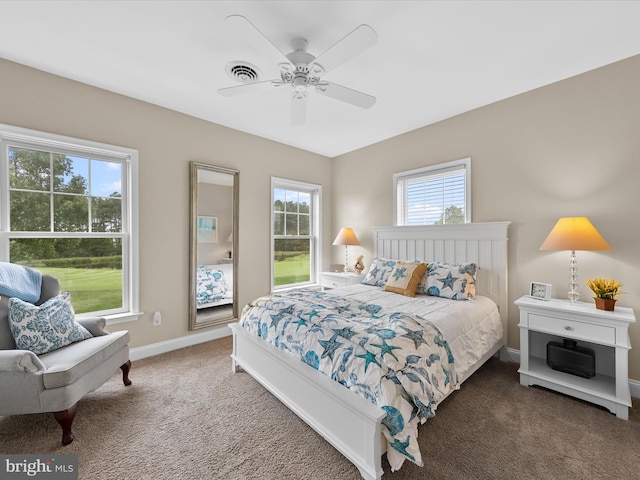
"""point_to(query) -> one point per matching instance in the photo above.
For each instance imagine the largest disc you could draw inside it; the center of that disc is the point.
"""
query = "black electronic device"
(567, 356)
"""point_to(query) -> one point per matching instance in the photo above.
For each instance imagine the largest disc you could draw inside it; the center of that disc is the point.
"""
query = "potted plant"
(605, 290)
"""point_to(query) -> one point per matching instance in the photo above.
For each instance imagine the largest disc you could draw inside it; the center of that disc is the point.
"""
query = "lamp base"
(346, 259)
(573, 276)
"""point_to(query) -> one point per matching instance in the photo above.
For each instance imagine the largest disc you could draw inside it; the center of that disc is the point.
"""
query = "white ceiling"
(433, 59)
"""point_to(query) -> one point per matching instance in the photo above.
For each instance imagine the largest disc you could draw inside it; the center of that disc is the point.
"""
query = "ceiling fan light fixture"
(299, 82)
(302, 70)
(243, 72)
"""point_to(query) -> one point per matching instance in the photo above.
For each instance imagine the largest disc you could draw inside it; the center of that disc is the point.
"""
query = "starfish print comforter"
(399, 361)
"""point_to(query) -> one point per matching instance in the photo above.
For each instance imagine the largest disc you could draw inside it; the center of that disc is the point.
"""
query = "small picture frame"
(540, 291)
(207, 229)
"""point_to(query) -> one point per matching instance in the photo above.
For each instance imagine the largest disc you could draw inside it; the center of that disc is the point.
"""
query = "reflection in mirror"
(213, 247)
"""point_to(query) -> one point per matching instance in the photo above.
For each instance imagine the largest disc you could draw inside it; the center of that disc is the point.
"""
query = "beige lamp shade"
(346, 236)
(574, 233)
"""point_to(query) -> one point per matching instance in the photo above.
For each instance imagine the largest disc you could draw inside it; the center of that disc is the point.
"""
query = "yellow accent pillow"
(405, 277)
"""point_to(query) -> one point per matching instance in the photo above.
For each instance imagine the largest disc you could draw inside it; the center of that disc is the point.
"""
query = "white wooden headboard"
(485, 244)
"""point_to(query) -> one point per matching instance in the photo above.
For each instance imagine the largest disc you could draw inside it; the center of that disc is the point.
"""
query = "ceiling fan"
(302, 71)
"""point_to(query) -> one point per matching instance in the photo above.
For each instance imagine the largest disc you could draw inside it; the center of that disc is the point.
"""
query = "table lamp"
(346, 237)
(574, 233)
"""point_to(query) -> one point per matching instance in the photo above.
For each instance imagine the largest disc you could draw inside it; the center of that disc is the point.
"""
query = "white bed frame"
(348, 421)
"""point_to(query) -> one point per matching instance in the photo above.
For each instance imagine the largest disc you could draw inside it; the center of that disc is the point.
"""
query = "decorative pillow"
(379, 272)
(405, 277)
(47, 327)
(456, 281)
(211, 285)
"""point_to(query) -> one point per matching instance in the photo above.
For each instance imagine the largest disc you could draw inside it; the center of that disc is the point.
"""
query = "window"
(69, 208)
(295, 233)
(440, 194)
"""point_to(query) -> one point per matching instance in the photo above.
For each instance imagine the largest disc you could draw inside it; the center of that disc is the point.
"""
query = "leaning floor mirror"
(213, 248)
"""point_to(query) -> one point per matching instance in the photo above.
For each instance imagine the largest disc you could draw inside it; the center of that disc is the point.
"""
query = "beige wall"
(568, 149)
(215, 201)
(166, 142)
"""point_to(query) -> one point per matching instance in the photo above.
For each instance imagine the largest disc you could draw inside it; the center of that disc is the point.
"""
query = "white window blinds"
(433, 195)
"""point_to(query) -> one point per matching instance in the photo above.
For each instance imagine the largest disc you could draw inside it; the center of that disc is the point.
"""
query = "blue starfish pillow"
(379, 272)
(454, 281)
(42, 329)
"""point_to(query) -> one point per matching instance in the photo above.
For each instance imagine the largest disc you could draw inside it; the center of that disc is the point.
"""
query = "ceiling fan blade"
(346, 48)
(298, 108)
(248, 88)
(345, 94)
(251, 33)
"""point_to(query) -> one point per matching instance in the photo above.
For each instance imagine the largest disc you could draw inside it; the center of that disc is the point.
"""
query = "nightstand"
(339, 279)
(607, 333)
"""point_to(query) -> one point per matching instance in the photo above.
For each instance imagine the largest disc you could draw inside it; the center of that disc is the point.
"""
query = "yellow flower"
(604, 287)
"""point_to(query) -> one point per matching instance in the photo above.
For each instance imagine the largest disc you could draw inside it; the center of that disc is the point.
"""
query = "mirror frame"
(194, 167)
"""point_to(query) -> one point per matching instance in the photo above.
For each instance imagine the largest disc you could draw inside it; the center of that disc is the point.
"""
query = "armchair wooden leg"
(125, 372)
(65, 419)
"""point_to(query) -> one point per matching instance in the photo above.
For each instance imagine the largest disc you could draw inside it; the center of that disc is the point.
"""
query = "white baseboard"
(138, 353)
(634, 385)
(514, 355)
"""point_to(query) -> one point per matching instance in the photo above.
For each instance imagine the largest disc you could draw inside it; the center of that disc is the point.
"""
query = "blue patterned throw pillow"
(455, 281)
(47, 327)
(379, 272)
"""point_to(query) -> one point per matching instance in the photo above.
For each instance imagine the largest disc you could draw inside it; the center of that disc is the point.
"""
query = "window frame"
(33, 139)
(314, 236)
(432, 171)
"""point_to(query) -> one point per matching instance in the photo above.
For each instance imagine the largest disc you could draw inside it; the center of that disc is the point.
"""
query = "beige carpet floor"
(186, 416)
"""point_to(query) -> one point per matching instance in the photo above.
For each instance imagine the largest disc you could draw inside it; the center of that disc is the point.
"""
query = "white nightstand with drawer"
(607, 333)
(339, 279)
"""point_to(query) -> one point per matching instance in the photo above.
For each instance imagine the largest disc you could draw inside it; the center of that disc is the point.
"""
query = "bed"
(214, 285)
(355, 425)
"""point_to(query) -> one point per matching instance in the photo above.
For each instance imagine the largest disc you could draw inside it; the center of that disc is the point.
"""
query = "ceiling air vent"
(243, 72)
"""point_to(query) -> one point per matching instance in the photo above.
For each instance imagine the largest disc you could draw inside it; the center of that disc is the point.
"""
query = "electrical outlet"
(157, 318)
